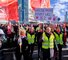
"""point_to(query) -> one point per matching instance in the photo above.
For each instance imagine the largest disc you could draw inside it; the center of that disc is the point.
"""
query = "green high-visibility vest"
(30, 38)
(59, 38)
(48, 43)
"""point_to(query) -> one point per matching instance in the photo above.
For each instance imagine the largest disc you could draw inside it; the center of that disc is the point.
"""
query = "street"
(11, 55)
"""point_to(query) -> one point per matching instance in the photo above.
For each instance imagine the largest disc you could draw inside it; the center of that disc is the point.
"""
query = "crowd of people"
(49, 38)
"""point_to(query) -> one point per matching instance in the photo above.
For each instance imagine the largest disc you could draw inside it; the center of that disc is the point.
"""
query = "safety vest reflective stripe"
(59, 38)
(51, 45)
(48, 43)
(43, 46)
(30, 38)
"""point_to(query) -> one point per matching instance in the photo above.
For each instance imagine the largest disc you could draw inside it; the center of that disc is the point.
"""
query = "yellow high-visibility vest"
(48, 43)
(59, 38)
(30, 38)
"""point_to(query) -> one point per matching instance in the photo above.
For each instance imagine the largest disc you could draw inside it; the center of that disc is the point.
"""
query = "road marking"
(35, 52)
(64, 49)
(65, 56)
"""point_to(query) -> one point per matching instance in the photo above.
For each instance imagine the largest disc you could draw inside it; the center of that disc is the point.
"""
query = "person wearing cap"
(48, 44)
(31, 40)
(59, 41)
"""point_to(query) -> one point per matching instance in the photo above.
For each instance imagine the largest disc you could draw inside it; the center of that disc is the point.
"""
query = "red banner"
(10, 10)
(40, 4)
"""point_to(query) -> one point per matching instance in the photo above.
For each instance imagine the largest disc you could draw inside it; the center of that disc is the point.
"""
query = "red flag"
(40, 4)
(11, 7)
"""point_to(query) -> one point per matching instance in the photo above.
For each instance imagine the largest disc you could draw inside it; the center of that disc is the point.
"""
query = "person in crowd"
(59, 41)
(48, 44)
(1, 51)
(39, 31)
(16, 29)
(18, 46)
(31, 41)
(67, 29)
(23, 45)
(9, 34)
(64, 35)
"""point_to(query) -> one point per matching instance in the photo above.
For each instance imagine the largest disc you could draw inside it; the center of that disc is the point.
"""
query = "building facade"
(23, 10)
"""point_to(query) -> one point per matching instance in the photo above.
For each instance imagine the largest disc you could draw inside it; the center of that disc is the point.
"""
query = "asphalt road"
(11, 55)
